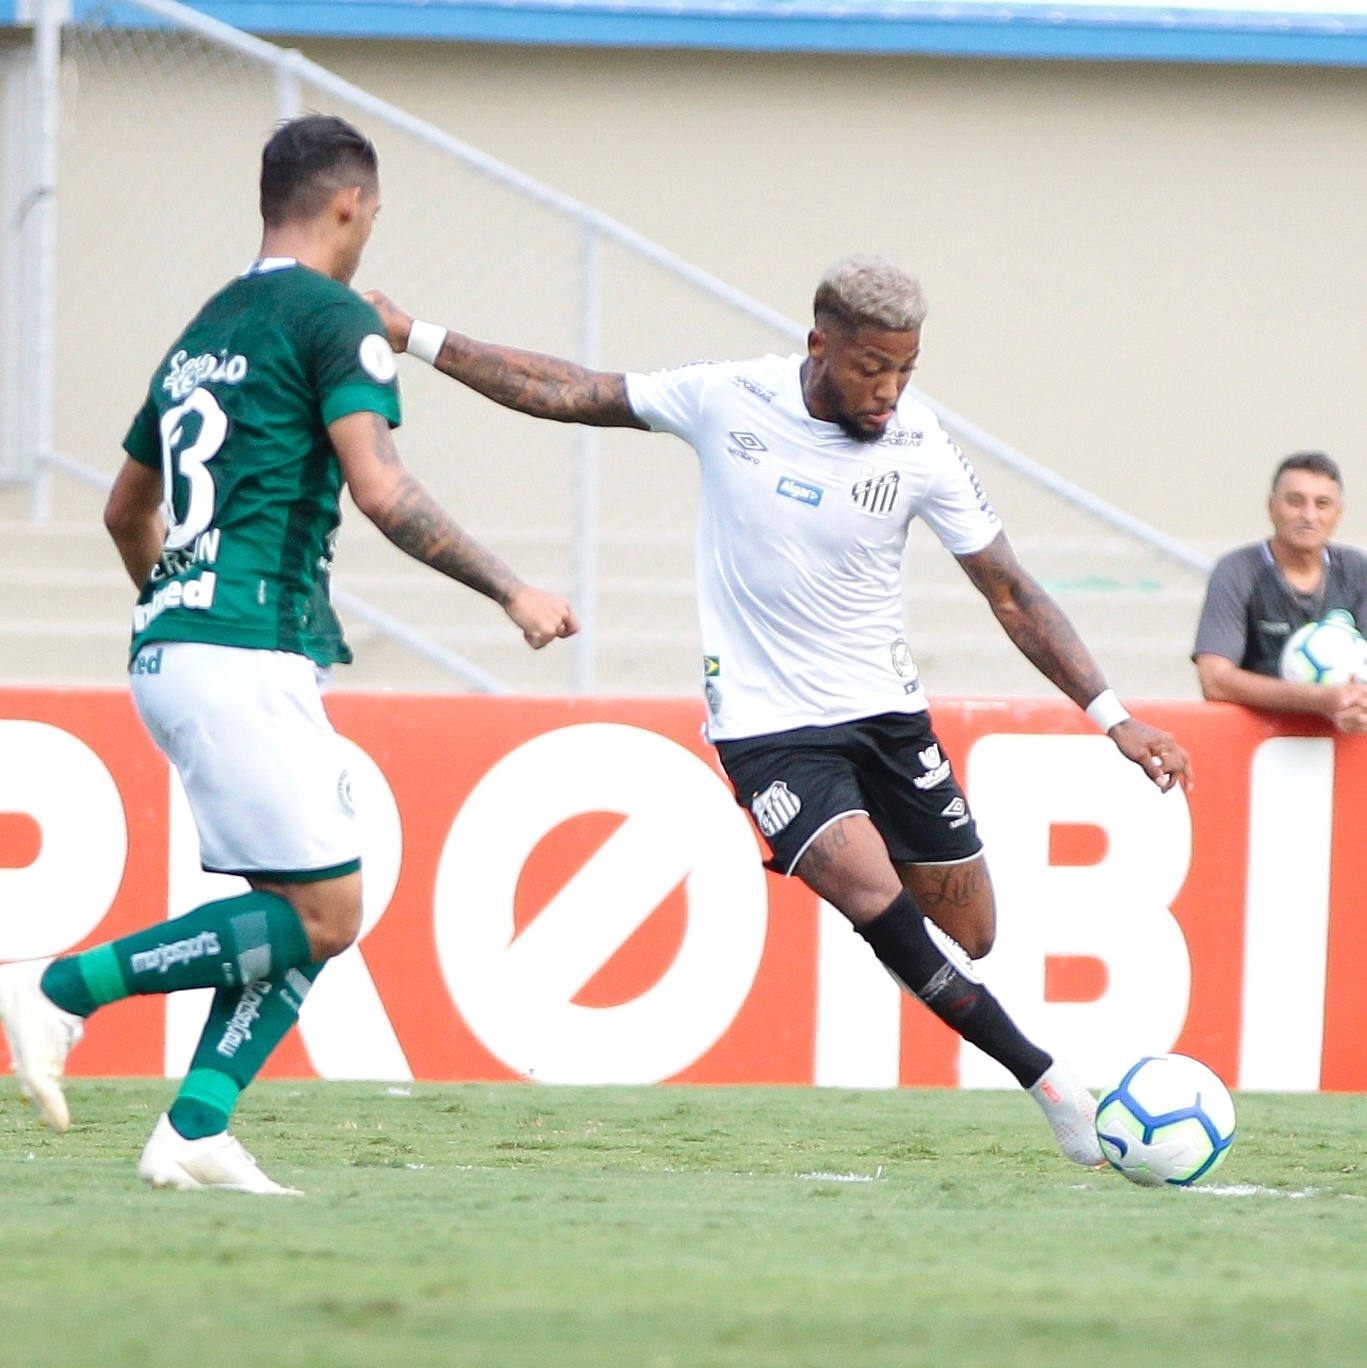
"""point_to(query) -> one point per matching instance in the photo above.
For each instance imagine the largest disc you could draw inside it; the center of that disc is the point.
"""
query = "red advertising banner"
(566, 890)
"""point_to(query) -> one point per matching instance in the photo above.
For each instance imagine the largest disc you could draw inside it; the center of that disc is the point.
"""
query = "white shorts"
(264, 771)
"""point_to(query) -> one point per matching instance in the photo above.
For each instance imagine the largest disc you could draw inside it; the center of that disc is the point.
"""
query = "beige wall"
(1150, 278)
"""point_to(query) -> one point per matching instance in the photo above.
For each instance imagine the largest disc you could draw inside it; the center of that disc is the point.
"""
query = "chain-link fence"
(161, 129)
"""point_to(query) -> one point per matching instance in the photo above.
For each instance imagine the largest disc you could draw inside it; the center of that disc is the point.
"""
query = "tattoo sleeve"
(543, 386)
(419, 526)
(1035, 623)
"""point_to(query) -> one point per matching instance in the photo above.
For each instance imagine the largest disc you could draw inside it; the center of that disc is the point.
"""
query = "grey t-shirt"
(1251, 610)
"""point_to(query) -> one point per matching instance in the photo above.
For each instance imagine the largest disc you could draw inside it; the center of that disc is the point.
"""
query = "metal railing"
(291, 73)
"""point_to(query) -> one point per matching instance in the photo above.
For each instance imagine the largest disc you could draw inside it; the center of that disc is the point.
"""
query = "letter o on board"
(57, 780)
(682, 824)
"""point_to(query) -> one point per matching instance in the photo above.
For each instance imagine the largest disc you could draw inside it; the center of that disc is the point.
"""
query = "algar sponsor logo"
(163, 957)
(796, 489)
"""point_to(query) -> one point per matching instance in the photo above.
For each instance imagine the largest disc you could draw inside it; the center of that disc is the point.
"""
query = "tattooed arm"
(1033, 621)
(1041, 631)
(413, 520)
(543, 386)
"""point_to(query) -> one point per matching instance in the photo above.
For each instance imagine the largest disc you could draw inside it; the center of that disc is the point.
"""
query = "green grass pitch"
(510, 1225)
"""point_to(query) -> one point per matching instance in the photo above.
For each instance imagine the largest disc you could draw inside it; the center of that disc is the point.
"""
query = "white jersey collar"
(263, 265)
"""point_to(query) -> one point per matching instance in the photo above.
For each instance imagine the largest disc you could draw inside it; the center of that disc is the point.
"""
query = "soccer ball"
(1331, 651)
(1168, 1120)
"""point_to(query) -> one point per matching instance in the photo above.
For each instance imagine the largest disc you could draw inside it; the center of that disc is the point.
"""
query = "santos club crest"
(775, 808)
(876, 492)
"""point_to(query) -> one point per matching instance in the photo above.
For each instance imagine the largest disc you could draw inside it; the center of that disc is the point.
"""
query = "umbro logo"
(975, 482)
(956, 807)
(744, 445)
(748, 440)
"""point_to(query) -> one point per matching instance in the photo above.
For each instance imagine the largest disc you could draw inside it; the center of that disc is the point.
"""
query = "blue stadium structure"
(1323, 35)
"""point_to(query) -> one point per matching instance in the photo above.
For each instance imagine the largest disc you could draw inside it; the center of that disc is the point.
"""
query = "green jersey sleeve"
(143, 442)
(354, 370)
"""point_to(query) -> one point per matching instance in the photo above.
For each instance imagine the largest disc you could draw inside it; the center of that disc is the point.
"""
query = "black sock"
(900, 940)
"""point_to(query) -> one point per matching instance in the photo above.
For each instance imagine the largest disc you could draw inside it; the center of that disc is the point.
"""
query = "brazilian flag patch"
(711, 667)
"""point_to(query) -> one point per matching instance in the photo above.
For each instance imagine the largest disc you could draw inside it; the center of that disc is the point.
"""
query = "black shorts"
(796, 783)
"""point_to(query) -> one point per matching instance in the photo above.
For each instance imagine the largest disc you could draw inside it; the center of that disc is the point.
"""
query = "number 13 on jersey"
(189, 460)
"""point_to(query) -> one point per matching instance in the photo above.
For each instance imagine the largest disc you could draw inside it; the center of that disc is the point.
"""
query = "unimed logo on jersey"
(876, 492)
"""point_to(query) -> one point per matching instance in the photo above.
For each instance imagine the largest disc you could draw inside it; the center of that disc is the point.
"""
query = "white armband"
(425, 341)
(1107, 711)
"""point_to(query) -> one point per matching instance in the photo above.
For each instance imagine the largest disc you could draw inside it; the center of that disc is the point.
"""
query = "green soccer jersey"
(236, 420)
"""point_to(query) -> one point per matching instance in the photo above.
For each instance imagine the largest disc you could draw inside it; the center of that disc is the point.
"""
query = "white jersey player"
(801, 533)
(812, 469)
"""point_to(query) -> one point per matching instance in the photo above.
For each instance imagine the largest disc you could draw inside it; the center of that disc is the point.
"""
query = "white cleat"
(40, 1036)
(1071, 1112)
(169, 1160)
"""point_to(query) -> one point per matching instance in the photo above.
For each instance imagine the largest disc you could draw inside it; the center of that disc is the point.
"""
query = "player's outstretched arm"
(1041, 631)
(134, 520)
(413, 520)
(543, 386)
(1222, 681)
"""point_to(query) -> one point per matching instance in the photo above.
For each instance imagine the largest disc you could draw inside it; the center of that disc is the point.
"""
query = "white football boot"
(40, 1036)
(1071, 1112)
(169, 1160)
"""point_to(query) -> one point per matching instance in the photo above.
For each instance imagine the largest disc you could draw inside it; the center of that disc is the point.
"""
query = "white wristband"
(425, 341)
(1107, 711)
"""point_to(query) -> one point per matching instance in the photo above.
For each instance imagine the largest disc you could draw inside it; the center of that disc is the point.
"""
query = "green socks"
(222, 945)
(244, 1026)
(253, 949)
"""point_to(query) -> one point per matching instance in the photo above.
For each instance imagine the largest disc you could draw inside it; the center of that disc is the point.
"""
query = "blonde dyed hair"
(869, 289)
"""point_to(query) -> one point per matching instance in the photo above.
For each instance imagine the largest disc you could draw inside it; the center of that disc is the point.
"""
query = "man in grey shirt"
(1260, 594)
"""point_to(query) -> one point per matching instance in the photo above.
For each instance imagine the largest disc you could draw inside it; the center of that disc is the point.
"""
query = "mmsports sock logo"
(239, 1028)
(163, 957)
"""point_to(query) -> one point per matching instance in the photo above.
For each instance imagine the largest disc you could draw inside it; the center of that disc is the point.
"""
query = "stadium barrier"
(564, 890)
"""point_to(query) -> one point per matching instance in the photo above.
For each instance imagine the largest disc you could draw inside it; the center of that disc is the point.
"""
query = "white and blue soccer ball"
(1168, 1121)
(1331, 651)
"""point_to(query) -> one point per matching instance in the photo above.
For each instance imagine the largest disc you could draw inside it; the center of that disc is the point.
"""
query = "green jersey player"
(236, 423)
(281, 390)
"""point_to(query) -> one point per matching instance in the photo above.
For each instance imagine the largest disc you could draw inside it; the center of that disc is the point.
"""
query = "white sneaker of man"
(40, 1036)
(169, 1160)
(1070, 1110)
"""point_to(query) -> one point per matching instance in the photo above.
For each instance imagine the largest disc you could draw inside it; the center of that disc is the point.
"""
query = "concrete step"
(65, 605)
(64, 595)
